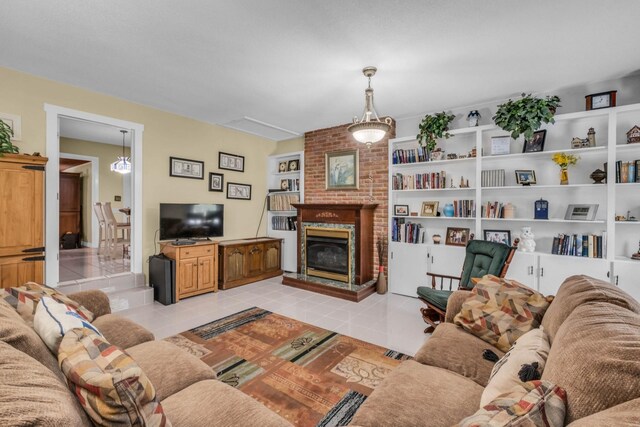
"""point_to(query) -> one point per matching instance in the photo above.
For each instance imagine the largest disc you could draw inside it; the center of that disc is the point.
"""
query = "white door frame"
(95, 191)
(52, 186)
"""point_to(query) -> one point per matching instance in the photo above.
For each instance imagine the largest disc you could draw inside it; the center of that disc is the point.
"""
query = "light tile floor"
(390, 320)
(85, 263)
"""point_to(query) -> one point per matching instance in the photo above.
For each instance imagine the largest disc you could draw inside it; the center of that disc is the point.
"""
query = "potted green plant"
(525, 116)
(5, 139)
(433, 127)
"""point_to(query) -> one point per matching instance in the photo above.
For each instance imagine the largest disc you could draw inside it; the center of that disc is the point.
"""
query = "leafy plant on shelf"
(5, 139)
(525, 116)
(433, 127)
(565, 160)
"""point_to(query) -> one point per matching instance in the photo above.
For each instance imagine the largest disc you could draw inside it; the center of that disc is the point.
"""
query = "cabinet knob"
(187, 252)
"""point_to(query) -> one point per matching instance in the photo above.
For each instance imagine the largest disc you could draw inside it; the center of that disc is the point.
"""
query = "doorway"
(70, 134)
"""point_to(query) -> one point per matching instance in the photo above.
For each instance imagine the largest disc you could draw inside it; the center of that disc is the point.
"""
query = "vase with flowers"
(564, 160)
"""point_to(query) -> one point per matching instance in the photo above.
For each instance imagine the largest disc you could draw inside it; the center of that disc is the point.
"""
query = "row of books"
(492, 178)
(282, 202)
(420, 181)
(581, 245)
(464, 208)
(284, 223)
(412, 155)
(627, 171)
(493, 210)
(290, 184)
(407, 232)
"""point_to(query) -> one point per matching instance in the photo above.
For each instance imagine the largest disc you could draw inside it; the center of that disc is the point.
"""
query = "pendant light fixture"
(370, 129)
(123, 164)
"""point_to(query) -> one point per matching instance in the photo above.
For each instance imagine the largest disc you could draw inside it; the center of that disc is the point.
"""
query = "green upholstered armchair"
(482, 257)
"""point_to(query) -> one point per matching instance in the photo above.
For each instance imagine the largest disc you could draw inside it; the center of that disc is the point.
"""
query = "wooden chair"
(482, 257)
(113, 226)
(102, 227)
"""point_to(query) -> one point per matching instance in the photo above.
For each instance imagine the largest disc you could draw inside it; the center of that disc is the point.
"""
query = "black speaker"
(162, 277)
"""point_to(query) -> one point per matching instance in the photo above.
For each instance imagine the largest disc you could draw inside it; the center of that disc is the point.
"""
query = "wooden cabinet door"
(188, 275)
(272, 257)
(206, 269)
(255, 260)
(70, 196)
(234, 263)
(21, 208)
(17, 270)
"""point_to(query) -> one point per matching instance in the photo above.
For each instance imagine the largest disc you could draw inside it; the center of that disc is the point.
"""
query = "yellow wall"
(290, 145)
(165, 135)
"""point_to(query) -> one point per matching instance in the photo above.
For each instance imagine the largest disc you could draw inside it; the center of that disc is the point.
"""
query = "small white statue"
(527, 244)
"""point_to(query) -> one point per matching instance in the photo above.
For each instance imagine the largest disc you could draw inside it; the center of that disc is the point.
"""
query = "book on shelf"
(420, 181)
(493, 210)
(626, 172)
(282, 222)
(493, 178)
(282, 202)
(580, 245)
(464, 208)
(411, 155)
(407, 232)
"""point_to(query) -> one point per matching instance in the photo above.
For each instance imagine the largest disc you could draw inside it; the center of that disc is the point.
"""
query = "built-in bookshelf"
(285, 185)
(490, 182)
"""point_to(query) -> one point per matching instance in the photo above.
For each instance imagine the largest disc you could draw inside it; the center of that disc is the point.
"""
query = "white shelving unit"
(274, 178)
(542, 270)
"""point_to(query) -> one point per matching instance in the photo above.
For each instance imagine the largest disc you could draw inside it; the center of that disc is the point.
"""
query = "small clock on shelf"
(595, 101)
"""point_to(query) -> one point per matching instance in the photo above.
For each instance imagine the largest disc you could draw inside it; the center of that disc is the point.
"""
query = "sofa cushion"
(95, 300)
(534, 403)
(169, 368)
(54, 319)
(30, 293)
(452, 348)
(499, 311)
(109, 385)
(32, 395)
(532, 347)
(594, 357)
(122, 332)
(417, 395)
(436, 297)
(626, 414)
(15, 332)
(213, 403)
(577, 290)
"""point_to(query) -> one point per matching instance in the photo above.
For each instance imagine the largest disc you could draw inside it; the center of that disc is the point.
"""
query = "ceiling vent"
(265, 130)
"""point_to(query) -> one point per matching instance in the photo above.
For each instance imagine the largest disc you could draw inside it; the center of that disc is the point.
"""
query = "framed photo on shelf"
(284, 185)
(238, 191)
(535, 144)
(216, 182)
(282, 167)
(429, 209)
(185, 168)
(525, 177)
(500, 145)
(498, 236)
(230, 162)
(293, 165)
(581, 212)
(341, 170)
(457, 236)
(401, 210)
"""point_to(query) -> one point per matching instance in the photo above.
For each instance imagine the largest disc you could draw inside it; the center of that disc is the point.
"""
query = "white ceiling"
(91, 131)
(296, 64)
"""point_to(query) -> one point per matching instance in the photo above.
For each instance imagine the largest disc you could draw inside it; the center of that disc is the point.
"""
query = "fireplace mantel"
(359, 217)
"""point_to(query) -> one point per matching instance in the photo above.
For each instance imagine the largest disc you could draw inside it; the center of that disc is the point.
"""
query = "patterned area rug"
(308, 375)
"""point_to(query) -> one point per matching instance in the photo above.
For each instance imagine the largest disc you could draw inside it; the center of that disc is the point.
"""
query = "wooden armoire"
(21, 219)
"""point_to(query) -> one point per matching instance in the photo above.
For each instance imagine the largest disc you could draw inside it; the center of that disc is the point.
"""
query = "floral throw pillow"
(499, 311)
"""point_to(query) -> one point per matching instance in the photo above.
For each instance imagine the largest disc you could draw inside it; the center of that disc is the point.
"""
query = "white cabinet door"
(447, 260)
(524, 268)
(407, 268)
(554, 269)
(627, 277)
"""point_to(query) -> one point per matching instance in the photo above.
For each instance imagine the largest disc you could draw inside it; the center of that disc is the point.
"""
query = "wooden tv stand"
(196, 267)
(245, 261)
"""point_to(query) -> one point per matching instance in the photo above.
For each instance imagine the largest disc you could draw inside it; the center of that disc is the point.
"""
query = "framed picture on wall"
(238, 191)
(216, 181)
(341, 170)
(185, 168)
(230, 162)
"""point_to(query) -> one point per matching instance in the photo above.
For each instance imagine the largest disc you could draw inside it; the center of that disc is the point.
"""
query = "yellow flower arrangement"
(564, 160)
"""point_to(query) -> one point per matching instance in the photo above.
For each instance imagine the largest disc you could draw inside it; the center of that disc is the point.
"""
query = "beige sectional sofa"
(33, 390)
(594, 330)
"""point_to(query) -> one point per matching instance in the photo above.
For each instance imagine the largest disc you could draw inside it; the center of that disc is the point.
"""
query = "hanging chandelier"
(369, 129)
(123, 164)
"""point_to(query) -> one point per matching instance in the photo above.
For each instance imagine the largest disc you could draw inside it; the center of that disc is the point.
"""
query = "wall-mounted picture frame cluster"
(238, 191)
(231, 162)
(185, 168)
(216, 182)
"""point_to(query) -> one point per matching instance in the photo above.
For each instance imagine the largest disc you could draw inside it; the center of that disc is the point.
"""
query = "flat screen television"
(190, 221)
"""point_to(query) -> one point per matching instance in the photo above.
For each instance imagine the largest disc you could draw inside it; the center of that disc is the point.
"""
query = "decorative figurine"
(633, 135)
(437, 154)
(474, 118)
(637, 254)
(509, 211)
(579, 142)
(464, 184)
(591, 136)
(452, 186)
(541, 210)
(472, 153)
(436, 239)
(598, 176)
(527, 244)
(452, 156)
